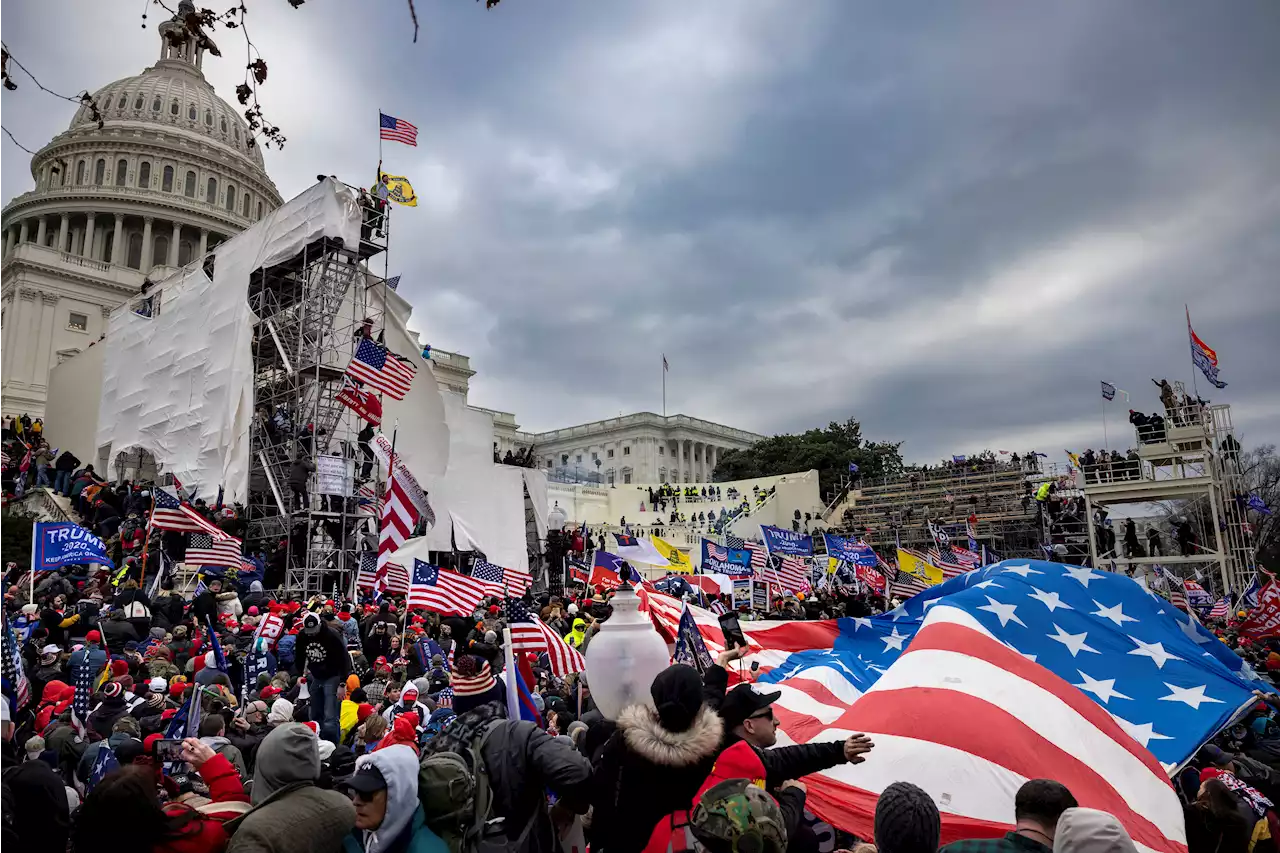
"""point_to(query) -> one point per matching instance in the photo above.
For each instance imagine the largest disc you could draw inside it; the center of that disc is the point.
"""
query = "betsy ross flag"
(170, 513)
(1203, 356)
(515, 581)
(530, 634)
(364, 403)
(396, 576)
(205, 550)
(447, 593)
(376, 366)
(396, 130)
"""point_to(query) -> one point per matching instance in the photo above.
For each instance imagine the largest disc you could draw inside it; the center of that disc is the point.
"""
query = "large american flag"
(515, 581)
(170, 513)
(447, 593)
(397, 130)
(378, 367)
(205, 550)
(16, 683)
(396, 576)
(398, 519)
(531, 634)
(1021, 669)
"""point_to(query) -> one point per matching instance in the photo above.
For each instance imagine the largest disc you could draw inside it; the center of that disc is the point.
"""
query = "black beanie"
(907, 820)
(677, 694)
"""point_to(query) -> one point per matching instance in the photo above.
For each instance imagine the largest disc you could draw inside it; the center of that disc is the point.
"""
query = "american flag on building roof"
(531, 634)
(397, 130)
(514, 581)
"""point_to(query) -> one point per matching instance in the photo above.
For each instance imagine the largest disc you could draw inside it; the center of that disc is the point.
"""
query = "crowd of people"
(363, 727)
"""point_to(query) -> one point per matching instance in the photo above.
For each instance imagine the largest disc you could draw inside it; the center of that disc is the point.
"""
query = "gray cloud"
(947, 222)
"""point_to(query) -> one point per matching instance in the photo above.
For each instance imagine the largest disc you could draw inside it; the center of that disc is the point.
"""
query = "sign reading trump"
(61, 543)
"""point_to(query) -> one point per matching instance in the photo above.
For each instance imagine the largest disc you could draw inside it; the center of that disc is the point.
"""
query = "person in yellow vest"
(578, 635)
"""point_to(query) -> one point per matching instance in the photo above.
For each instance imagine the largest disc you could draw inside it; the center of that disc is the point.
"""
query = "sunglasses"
(766, 714)
(359, 797)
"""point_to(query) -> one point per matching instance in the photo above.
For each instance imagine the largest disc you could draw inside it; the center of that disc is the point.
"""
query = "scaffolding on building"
(1188, 470)
(312, 311)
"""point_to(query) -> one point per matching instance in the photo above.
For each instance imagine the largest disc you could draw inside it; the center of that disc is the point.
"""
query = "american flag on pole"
(447, 593)
(369, 501)
(515, 581)
(378, 367)
(396, 576)
(170, 513)
(531, 634)
(393, 282)
(759, 554)
(950, 568)
(398, 520)
(16, 684)
(791, 573)
(1220, 609)
(396, 130)
(205, 550)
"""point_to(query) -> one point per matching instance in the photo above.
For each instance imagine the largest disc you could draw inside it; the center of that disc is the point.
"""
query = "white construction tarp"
(180, 382)
(422, 440)
(535, 482)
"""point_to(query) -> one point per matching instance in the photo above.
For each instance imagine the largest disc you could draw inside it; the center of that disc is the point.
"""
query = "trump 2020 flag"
(62, 543)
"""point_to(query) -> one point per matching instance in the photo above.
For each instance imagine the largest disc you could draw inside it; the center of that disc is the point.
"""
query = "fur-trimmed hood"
(645, 736)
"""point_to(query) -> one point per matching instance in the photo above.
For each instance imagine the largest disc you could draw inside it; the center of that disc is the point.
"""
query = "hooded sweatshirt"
(1090, 831)
(579, 633)
(289, 756)
(281, 712)
(399, 766)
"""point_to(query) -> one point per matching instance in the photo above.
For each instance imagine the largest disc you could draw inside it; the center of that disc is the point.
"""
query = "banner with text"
(850, 550)
(382, 449)
(780, 541)
(734, 562)
(62, 543)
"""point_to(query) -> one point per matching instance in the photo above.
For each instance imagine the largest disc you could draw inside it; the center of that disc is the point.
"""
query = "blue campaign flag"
(735, 562)
(1167, 680)
(959, 458)
(103, 764)
(691, 649)
(853, 468)
(219, 658)
(62, 543)
(851, 551)
(524, 697)
(1257, 504)
(779, 541)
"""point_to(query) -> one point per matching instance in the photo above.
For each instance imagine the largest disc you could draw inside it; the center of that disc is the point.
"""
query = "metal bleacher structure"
(1189, 467)
(310, 310)
(897, 510)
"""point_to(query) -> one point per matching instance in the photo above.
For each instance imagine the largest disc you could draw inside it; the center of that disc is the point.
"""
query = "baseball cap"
(51, 649)
(367, 779)
(744, 701)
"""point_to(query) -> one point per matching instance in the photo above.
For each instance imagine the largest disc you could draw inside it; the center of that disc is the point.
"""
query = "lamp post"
(625, 657)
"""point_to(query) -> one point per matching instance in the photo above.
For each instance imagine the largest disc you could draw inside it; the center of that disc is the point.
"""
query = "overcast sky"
(949, 221)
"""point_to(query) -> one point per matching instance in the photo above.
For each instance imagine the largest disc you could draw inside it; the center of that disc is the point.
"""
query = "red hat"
(392, 607)
(93, 636)
(313, 725)
(269, 692)
(119, 668)
(253, 610)
(175, 690)
(493, 608)
(363, 711)
(1210, 773)
(380, 660)
(112, 689)
(328, 602)
(152, 738)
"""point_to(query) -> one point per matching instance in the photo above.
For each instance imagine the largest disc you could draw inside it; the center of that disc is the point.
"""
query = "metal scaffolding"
(311, 313)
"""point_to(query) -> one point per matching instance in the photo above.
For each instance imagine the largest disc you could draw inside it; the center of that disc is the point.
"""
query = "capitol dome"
(171, 172)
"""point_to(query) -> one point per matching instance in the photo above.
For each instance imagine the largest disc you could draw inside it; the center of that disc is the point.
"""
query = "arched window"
(166, 181)
(244, 208)
(189, 187)
(134, 260)
(231, 197)
(108, 245)
(123, 102)
(144, 174)
(211, 193)
(155, 105)
(191, 112)
(174, 108)
(208, 118)
(137, 102)
(236, 130)
(259, 210)
(160, 250)
(80, 172)
(223, 124)
(184, 253)
(99, 172)
(122, 172)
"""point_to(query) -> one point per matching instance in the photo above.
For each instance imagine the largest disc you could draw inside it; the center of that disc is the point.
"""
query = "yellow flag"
(920, 567)
(832, 565)
(399, 190)
(679, 559)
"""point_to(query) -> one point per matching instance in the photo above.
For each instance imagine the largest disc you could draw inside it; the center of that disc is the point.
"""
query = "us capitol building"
(171, 174)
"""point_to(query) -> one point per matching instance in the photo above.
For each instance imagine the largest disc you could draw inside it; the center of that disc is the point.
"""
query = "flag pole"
(1191, 345)
(31, 585)
(664, 382)
(1105, 441)
(147, 541)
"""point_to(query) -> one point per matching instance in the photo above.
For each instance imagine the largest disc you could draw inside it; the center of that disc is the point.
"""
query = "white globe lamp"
(625, 657)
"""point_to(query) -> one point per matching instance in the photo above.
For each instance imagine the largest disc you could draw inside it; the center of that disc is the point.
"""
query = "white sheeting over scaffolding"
(180, 383)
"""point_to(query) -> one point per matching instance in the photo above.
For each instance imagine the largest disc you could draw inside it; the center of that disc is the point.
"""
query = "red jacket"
(204, 833)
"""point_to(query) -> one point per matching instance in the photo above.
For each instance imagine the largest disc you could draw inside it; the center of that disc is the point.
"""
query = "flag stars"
(1051, 600)
(1191, 696)
(1155, 651)
(986, 584)
(1082, 574)
(1005, 612)
(1103, 688)
(1143, 734)
(1023, 570)
(1075, 643)
(895, 640)
(861, 622)
(1115, 614)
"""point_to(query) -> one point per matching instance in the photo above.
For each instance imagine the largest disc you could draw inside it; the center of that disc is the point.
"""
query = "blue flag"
(1257, 504)
(691, 650)
(780, 541)
(62, 543)
(103, 764)
(218, 657)
(524, 697)
(853, 468)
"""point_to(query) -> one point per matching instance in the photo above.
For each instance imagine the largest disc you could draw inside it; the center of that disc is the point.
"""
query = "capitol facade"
(172, 172)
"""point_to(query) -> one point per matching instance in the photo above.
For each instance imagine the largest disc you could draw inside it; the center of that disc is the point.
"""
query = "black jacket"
(66, 461)
(644, 772)
(794, 762)
(523, 761)
(324, 653)
(35, 814)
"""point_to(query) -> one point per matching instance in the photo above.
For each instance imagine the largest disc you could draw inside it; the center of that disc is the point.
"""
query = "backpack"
(458, 802)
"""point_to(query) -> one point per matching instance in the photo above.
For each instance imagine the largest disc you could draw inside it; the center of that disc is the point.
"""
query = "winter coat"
(229, 604)
(222, 746)
(522, 761)
(324, 653)
(67, 461)
(299, 470)
(205, 833)
(104, 717)
(36, 817)
(403, 828)
(645, 772)
(166, 611)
